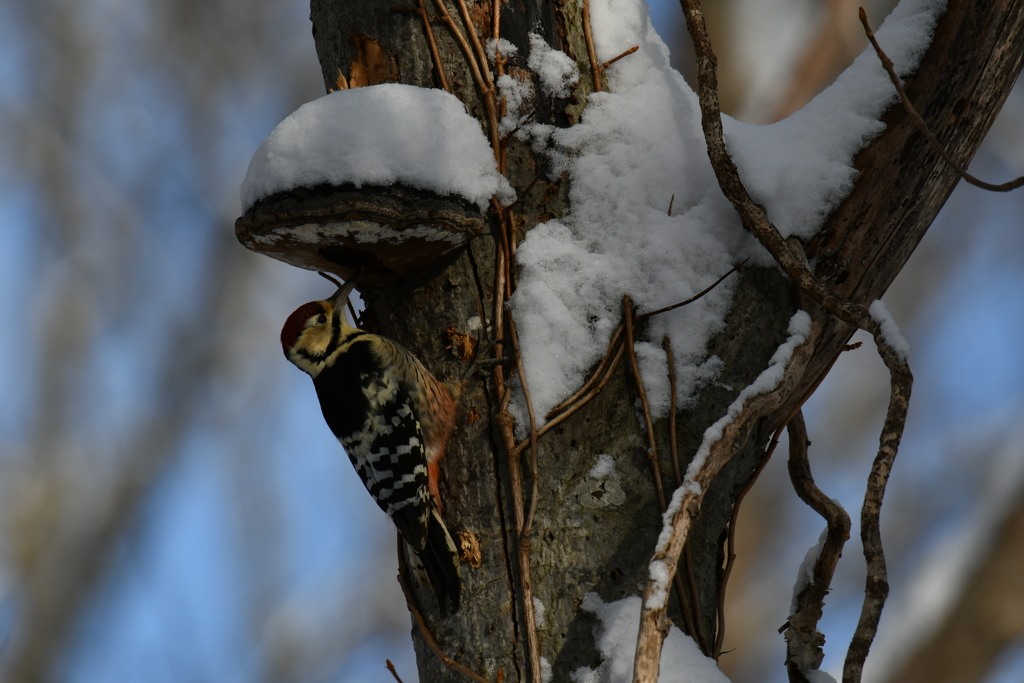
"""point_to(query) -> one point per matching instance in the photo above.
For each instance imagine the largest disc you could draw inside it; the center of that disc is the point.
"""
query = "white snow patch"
(659, 590)
(515, 94)
(546, 674)
(638, 145)
(556, 70)
(805, 574)
(890, 330)
(801, 168)
(681, 659)
(501, 45)
(603, 468)
(653, 362)
(379, 135)
(538, 612)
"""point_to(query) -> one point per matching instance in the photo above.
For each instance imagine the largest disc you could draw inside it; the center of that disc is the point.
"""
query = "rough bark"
(598, 536)
(959, 88)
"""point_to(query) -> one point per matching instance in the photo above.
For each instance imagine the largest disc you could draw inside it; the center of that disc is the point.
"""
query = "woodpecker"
(392, 416)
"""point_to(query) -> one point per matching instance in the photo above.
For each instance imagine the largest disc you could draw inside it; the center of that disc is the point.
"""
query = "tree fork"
(580, 541)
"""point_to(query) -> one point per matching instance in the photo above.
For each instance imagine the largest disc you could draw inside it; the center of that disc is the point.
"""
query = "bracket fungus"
(389, 232)
(389, 178)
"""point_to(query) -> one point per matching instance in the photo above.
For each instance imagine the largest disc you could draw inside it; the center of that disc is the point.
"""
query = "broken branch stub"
(390, 232)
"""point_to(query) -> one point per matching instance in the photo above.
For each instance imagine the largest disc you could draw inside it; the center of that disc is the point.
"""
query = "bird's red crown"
(297, 322)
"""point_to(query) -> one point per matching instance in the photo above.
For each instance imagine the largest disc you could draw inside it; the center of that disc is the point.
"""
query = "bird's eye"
(321, 319)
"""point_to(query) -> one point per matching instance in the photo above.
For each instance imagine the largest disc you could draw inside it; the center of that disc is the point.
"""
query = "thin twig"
(435, 56)
(803, 641)
(730, 557)
(612, 347)
(691, 626)
(481, 54)
(481, 74)
(529, 187)
(508, 219)
(522, 542)
(330, 278)
(351, 308)
(410, 601)
(391, 668)
(504, 257)
(445, 16)
(652, 450)
(488, 92)
(505, 427)
(595, 67)
(920, 122)
(615, 59)
(644, 316)
(551, 424)
(534, 465)
(522, 549)
(509, 135)
(667, 344)
(600, 373)
(670, 203)
(788, 255)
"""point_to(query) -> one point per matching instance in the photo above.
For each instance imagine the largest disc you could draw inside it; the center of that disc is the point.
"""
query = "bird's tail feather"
(440, 560)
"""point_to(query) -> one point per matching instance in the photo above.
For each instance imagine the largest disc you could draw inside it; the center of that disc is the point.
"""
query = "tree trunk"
(595, 535)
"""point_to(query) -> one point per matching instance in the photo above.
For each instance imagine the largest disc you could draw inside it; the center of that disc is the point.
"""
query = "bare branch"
(803, 641)
(702, 640)
(615, 59)
(477, 62)
(595, 66)
(599, 372)
(652, 451)
(391, 668)
(700, 294)
(554, 422)
(667, 344)
(789, 255)
(654, 623)
(534, 465)
(920, 122)
(435, 56)
(877, 588)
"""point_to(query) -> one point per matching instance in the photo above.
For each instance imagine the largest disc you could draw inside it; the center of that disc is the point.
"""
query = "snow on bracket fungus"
(390, 178)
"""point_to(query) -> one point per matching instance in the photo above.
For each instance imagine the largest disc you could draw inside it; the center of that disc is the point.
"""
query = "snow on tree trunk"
(598, 517)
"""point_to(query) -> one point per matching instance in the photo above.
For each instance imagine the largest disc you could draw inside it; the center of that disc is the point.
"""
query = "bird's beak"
(340, 297)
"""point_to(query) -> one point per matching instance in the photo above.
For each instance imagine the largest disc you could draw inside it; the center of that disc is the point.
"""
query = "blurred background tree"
(169, 509)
